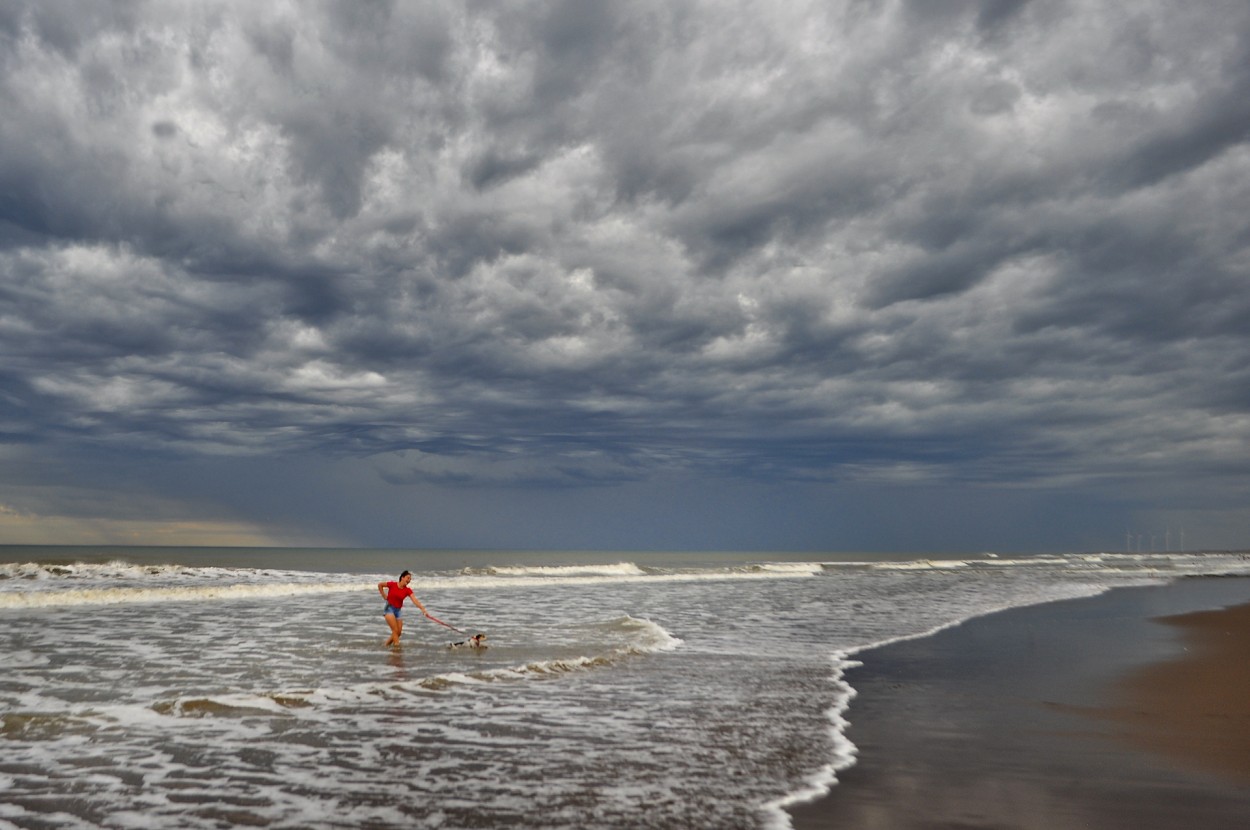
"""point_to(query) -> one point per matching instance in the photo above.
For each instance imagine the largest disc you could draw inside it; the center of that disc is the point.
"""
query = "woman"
(394, 593)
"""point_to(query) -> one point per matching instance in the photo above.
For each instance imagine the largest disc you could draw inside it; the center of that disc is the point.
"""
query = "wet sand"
(1127, 710)
(1195, 707)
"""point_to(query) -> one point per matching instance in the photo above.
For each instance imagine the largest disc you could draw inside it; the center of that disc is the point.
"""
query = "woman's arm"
(382, 589)
(417, 603)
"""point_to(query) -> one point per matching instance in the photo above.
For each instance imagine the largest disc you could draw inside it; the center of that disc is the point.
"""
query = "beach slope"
(1126, 710)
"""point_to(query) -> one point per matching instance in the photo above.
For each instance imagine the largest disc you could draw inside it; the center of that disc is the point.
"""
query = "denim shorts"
(391, 609)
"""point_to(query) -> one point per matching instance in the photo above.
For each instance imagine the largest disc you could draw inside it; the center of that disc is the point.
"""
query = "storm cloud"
(517, 257)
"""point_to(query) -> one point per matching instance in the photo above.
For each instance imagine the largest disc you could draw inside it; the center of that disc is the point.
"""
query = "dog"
(476, 641)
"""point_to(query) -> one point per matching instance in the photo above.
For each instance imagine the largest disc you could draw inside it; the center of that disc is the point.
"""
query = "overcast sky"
(840, 275)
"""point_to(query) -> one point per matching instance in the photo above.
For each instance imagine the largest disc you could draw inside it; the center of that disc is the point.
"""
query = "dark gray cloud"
(500, 248)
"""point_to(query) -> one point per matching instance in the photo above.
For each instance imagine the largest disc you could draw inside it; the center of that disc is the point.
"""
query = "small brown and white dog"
(476, 641)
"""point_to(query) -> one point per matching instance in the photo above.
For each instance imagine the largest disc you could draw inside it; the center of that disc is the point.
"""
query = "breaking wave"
(64, 596)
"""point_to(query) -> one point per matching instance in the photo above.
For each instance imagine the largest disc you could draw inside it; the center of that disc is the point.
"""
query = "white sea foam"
(24, 659)
(1164, 564)
(652, 636)
(791, 568)
(642, 637)
(635, 637)
(617, 569)
(65, 596)
(120, 570)
(818, 783)
(40, 585)
(588, 577)
(922, 565)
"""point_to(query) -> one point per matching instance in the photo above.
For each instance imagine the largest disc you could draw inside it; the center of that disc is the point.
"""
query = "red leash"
(440, 622)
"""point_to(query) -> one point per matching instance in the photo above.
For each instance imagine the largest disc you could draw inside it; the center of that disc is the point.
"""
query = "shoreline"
(1070, 713)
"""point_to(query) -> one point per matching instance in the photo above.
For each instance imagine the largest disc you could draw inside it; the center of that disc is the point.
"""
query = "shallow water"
(198, 689)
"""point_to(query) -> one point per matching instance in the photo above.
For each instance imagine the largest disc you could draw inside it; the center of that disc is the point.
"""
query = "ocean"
(210, 688)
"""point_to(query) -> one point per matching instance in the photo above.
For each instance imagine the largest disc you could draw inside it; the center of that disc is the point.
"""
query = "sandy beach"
(1127, 710)
(1195, 707)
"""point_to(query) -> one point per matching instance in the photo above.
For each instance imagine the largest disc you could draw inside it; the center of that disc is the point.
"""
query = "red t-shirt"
(395, 595)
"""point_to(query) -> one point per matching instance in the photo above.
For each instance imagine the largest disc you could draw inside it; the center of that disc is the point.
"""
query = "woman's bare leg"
(397, 629)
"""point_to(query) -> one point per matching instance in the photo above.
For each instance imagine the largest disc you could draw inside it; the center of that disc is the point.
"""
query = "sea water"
(207, 688)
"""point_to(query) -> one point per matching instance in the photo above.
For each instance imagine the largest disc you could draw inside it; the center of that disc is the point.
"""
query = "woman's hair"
(404, 574)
